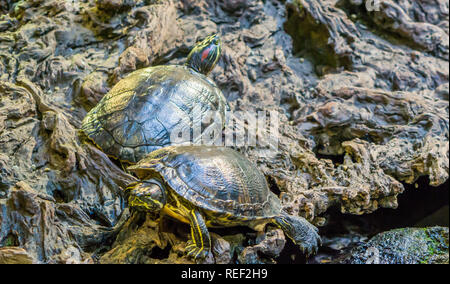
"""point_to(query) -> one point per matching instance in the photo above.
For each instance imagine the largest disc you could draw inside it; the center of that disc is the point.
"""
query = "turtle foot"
(302, 233)
(195, 252)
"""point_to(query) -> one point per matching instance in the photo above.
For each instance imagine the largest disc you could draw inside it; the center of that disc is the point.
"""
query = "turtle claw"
(196, 253)
(309, 244)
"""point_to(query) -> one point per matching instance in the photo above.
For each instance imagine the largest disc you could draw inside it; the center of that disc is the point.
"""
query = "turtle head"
(205, 55)
(149, 195)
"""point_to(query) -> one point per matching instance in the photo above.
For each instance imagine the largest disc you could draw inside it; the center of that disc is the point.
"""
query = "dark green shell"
(138, 114)
(217, 179)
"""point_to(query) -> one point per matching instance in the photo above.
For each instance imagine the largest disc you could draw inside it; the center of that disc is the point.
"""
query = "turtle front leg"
(200, 244)
(302, 233)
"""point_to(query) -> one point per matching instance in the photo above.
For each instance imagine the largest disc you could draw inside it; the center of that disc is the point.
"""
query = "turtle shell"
(138, 115)
(217, 179)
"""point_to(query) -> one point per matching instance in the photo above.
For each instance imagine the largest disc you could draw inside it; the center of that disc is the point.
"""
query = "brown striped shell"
(217, 179)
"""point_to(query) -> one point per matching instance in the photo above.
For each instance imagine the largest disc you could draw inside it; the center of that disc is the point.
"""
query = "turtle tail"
(302, 233)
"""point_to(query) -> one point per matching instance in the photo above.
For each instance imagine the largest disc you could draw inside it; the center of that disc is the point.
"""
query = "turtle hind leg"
(302, 233)
(200, 244)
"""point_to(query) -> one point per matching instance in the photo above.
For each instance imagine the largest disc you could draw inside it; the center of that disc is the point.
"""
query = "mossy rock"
(403, 246)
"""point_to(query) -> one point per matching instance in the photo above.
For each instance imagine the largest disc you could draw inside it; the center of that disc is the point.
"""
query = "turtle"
(148, 108)
(212, 187)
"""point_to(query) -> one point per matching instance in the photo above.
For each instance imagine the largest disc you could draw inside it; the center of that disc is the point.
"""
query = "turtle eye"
(215, 41)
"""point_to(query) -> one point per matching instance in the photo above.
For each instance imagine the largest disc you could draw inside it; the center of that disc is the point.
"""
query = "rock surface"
(14, 255)
(403, 246)
(362, 98)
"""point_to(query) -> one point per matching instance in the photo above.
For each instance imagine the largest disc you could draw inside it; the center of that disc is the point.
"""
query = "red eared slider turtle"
(207, 186)
(141, 112)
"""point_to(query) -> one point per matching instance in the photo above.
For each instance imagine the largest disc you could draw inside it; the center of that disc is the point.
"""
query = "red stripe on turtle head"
(205, 53)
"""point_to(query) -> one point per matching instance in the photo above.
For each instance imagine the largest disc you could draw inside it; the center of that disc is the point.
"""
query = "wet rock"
(50, 187)
(133, 58)
(403, 246)
(221, 250)
(93, 88)
(158, 35)
(394, 16)
(361, 98)
(115, 5)
(234, 6)
(31, 220)
(72, 255)
(269, 246)
(14, 255)
(142, 241)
